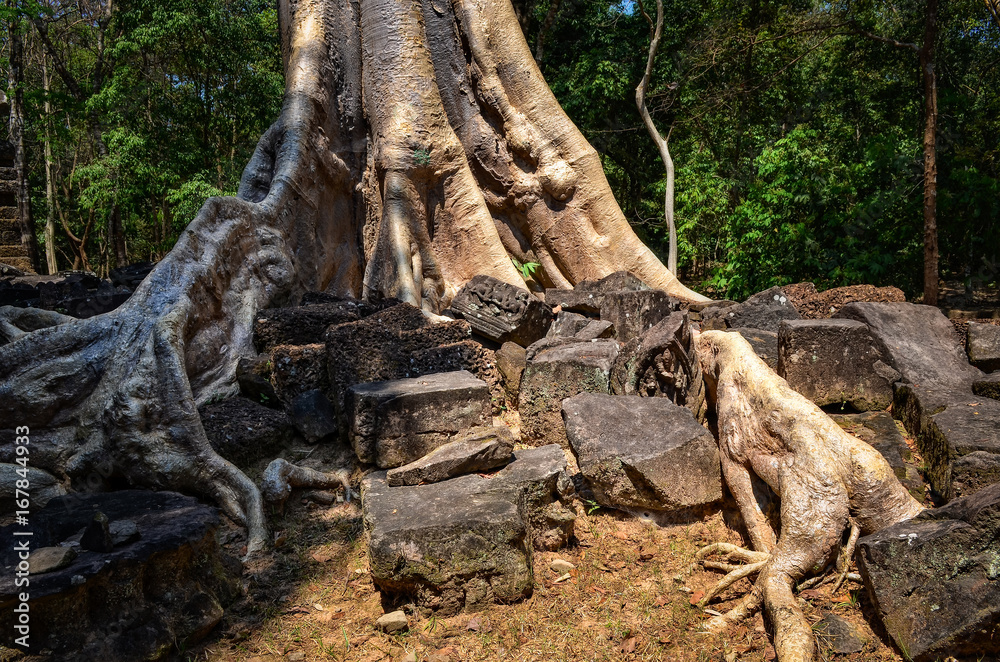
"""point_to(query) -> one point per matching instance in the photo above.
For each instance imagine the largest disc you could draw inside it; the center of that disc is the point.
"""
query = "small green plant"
(431, 625)
(264, 399)
(592, 506)
(422, 157)
(528, 269)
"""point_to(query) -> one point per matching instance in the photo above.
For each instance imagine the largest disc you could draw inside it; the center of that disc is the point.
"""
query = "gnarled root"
(824, 478)
(281, 476)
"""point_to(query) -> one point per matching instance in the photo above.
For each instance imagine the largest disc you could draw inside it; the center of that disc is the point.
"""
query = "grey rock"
(642, 453)
(312, 414)
(588, 296)
(446, 546)
(49, 559)
(948, 425)
(833, 361)
(712, 315)
(97, 536)
(596, 329)
(297, 369)
(166, 589)
(394, 621)
(764, 310)
(244, 431)
(764, 344)
(634, 312)
(934, 580)
(988, 386)
(556, 373)
(471, 452)
(662, 363)
(920, 341)
(468, 541)
(302, 325)
(567, 324)
(501, 312)
(838, 635)
(44, 486)
(973, 472)
(395, 422)
(983, 346)
(123, 532)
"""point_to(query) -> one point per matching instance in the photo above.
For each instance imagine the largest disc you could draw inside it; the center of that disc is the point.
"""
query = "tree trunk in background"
(662, 144)
(994, 7)
(418, 147)
(50, 214)
(16, 126)
(927, 70)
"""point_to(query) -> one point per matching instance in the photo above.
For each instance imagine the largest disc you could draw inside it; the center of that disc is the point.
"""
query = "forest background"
(797, 128)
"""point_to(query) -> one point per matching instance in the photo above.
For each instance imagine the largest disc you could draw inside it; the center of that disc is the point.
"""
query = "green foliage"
(528, 269)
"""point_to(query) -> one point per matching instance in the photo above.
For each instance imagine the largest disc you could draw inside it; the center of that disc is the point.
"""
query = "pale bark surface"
(824, 477)
(418, 147)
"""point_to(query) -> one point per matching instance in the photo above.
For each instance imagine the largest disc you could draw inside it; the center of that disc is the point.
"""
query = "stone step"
(8, 219)
(8, 237)
(8, 173)
(8, 186)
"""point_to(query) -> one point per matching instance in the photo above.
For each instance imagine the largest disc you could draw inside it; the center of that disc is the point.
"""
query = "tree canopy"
(796, 127)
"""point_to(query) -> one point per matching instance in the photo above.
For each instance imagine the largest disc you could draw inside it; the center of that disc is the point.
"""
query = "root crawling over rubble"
(824, 477)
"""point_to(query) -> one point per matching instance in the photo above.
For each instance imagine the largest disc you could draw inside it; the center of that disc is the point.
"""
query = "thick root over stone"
(824, 477)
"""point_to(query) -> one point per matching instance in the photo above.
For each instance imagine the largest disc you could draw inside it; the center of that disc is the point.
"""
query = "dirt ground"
(629, 598)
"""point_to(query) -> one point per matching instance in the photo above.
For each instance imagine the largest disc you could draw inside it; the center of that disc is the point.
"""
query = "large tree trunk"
(15, 81)
(929, 74)
(418, 146)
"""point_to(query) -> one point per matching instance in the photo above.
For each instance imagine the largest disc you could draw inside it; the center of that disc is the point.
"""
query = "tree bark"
(418, 146)
(662, 144)
(50, 211)
(16, 127)
(824, 477)
(929, 74)
(994, 7)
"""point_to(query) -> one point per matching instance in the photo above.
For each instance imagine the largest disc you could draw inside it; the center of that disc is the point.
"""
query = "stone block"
(763, 343)
(920, 341)
(567, 324)
(476, 451)
(588, 296)
(833, 361)
(764, 310)
(511, 360)
(244, 431)
(988, 386)
(983, 346)
(554, 374)
(878, 430)
(301, 325)
(935, 580)
(393, 423)
(313, 416)
(501, 312)
(297, 369)
(253, 374)
(634, 312)
(642, 453)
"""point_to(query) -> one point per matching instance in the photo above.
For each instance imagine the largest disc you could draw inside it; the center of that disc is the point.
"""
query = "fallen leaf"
(474, 624)
(322, 556)
(661, 601)
(696, 597)
(628, 646)
(769, 654)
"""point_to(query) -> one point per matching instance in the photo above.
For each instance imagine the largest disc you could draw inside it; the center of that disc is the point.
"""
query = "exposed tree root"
(824, 478)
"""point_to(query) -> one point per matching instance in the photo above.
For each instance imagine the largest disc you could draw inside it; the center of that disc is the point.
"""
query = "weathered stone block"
(764, 310)
(634, 313)
(253, 374)
(164, 589)
(983, 346)
(472, 452)
(833, 361)
(642, 453)
(244, 431)
(567, 324)
(301, 325)
(662, 363)
(555, 374)
(312, 415)
(393, 423)
(988, 386)
(919, 339)
(949, 425)
(501, 312)
(588, 296)
(935, 579)
(448, 546)
(297, 369)
(763, 343)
